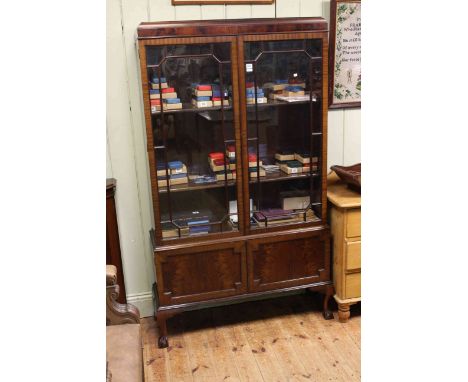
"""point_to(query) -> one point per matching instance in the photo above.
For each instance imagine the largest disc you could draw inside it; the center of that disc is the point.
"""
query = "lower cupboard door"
(200, 273)
(288, 261)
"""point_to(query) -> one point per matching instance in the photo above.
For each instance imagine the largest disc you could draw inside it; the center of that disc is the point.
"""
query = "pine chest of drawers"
(345, 217)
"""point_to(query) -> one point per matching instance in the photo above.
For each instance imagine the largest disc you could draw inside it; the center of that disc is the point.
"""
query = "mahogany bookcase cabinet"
(236, 123)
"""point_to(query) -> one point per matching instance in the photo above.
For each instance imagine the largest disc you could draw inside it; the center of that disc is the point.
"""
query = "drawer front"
(353, 255)
(288, 260)
(353, 285)
(201, 273)
(353, 223)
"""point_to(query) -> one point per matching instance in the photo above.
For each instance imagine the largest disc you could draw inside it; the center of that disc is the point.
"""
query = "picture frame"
(208, 2)
(345, 54)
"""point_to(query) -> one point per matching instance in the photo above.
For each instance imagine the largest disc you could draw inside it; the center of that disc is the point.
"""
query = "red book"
(155, 102)
(219, 162)
(216, 155)
(216, 99)
(252, 158)
(249, 85)
(168, 90)
(231, 148)
(204, 87)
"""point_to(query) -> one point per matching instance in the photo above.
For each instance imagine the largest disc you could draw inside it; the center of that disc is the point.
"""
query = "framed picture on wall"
(201, 2)
(345, 54)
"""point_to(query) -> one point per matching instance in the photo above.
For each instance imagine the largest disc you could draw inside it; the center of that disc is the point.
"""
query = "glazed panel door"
(283, 96)
(192, 118)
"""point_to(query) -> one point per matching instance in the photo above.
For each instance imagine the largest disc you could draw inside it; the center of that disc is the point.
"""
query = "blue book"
(178, 176)
(175, 165)
(217, 93)
(154, 91)
(252, 90)
(259, 95)
(280, 82)
(155, 80)
(203, 98)
(294, 88)
(172, 100)
(196, 222)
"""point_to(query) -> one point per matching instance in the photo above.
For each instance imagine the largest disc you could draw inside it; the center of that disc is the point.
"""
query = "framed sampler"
(207, 2)
(345, 54)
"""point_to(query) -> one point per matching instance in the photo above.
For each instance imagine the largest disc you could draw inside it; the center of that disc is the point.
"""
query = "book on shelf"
(217, 102)
(174, 167)
(201, 104)
(291, 167)
(231, 152)
(173, 180)
(202, 87)
(285, 155)
(202, 93)
(295, 202)
(220, 175)
(295, 98)
(304, 157)
(216, 155)
(275, 216)
(172, 104)
(251, 100)
(270, 168)
(253, 172)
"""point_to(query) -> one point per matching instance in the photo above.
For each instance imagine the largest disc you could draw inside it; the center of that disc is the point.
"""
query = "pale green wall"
(126, 151)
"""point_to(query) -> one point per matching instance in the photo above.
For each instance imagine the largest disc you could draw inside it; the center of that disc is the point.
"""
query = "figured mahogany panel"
(201, 273)
(285, 263)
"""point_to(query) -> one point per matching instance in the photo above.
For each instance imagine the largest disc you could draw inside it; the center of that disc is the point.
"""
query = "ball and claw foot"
(327, 315)
(162, 342)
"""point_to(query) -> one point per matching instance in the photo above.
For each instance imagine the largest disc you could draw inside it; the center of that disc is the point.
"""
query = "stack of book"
(222, 167)
(201, 95)
(250, 94)
(197, 227)
(217, 96)
(177, 172)
(154, 84)
(286, 88)
(291, 166)
(304, 158)
(284, 155)
(275, 216)
(253, 168)
(167, 94)
(276, 88)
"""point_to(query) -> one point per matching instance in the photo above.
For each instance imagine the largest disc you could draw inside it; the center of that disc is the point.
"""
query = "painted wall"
(126, 150)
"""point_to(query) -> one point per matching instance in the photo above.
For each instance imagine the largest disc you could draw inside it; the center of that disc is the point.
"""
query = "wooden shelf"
(280, 176)
(263, 179)
(189, 108)
(193, 187)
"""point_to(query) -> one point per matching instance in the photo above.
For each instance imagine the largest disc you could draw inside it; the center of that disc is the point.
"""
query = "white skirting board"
(144, 303)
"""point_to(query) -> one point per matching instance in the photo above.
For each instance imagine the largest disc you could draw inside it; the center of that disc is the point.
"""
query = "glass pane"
(284, 131)
(194, 138)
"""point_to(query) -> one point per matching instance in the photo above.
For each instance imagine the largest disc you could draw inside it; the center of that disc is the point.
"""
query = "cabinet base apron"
(163, 313)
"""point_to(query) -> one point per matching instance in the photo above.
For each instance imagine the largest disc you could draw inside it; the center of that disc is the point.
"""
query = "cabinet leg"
(161, 318)
(327, 313)
(343, 312)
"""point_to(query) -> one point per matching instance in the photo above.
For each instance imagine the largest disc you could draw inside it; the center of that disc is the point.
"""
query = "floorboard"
(278, 340)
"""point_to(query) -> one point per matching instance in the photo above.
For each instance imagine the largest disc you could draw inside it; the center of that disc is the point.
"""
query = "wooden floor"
(283, 339)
